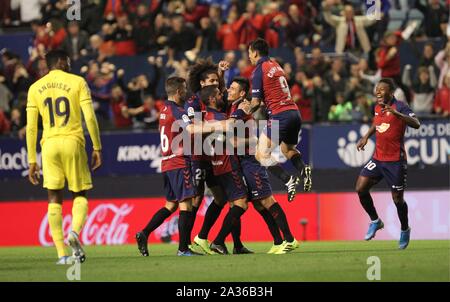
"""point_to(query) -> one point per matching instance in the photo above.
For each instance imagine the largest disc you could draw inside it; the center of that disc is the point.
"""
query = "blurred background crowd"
(340, 49)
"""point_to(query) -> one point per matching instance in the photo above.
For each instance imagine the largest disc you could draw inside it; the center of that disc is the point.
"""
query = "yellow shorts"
(65, 158)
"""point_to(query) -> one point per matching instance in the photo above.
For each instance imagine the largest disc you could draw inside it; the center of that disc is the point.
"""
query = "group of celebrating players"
(237, 178)
(231, 177)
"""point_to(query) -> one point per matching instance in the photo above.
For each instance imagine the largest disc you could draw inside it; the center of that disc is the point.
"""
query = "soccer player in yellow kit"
(60, 97)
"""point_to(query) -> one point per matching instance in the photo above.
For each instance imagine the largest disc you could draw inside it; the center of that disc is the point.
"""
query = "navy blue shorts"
(232, 185)
(179, 184)
(393, 172)
(203, 173)
(256, 178)
(289, 126)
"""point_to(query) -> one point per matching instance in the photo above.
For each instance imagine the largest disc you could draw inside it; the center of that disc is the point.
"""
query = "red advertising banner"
(115, 221)
(328, 216)
(343, 218)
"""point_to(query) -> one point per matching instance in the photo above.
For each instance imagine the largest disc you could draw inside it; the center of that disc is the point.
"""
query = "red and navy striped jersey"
(270, 85)
(173, 120)
(224, 163)
(390, 132)
(232, 112)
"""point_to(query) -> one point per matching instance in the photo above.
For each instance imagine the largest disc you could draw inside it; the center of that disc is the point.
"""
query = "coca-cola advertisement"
(115, 221)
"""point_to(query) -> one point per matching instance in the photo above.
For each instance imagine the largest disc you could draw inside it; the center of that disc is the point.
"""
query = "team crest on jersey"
(185, 118)
(190, 111)
(383, 127)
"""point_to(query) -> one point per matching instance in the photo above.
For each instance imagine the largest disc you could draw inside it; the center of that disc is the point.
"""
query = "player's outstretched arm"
(31, 134)
(410, 119)
(363, 141)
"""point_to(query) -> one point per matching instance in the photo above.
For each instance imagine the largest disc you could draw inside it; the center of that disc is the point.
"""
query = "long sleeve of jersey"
(89, 116)
(32, 128)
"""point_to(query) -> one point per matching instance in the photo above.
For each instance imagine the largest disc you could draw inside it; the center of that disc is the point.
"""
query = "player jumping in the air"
(389, 161)
(60, 97)
(269, 84)
(256, 178)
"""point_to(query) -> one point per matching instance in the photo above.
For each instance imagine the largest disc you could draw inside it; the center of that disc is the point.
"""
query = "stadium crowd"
(334, 86)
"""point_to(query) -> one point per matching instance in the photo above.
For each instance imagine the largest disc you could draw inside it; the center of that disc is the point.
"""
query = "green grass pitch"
(313, 261)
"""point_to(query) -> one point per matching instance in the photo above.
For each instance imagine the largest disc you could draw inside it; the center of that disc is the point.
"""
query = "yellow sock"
(54, 215)
(79, 213)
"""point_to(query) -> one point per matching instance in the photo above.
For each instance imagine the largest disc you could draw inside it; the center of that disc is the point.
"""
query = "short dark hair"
(244, 83)
(173, 84)
(260, 46)
(53, 56)
(207, 92)
(390, 82)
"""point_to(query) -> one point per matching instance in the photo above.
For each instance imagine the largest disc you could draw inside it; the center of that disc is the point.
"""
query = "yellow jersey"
(60, 97)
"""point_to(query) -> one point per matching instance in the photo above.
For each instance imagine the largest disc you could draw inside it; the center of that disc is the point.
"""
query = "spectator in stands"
(143, 25)
(29, 9)
(442, 61)
(362, 111)
(123, 37)
(350, 29)
(4, 123)
(21, 80)
(207, 38)
(114, 9)
(215, 15)
(427, 58)
(5, 13)
(321, 97)
(244, 66)
(342, 111)
(228, 33)
(19, 116)
(193, 12)
(5, 96)
(76, 41)
(435, 18)
(422, 88)
(299, 30)
(90, 21)
(442, 99)
(318, 64)
(388, 59)
(181, 38)
(250, 25)
(336, 77)
(119, 108)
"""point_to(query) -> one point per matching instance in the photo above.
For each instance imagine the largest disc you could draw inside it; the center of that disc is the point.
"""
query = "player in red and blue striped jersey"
(269, 84)
(205, 73)
(256, 177)
(389, 161)
(179, 185)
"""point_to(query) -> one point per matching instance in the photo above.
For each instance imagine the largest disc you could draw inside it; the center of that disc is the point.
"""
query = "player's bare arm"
(254, 104)
(96, 161)
(411, 121)
(223, 66)
(363, 141)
